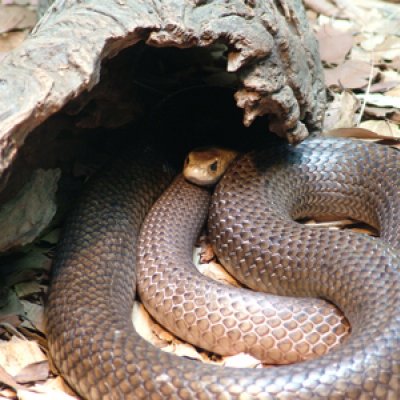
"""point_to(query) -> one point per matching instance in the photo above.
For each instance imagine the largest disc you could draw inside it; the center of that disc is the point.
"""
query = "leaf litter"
(360, 49)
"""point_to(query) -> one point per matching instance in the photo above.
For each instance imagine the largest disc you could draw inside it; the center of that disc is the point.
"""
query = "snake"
(133, 227)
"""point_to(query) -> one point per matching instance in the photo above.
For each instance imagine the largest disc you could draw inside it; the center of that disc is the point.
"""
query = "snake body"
(91, 338)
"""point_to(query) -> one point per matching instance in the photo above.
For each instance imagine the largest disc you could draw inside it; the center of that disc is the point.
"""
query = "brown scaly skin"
(205, 167)
(93, 342)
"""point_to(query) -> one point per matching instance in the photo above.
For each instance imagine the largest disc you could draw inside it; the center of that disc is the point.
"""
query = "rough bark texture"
(270, 48)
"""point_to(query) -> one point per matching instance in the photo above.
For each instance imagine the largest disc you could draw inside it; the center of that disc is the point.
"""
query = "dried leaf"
(383, 129)
(379, 112)
(25, 289)
(9, 323)
(341, 24)
(17, 353)
(155, 334)
(8, 380)
(11, 306)
(381, 87)
(334, 44)
(361, 133)
(322, 7)
(52, 237)
(395, 92)
(389, 49)
(380, 100)
(35, 314)
(241, 360)
(395, 64)
(184, 350)
(207, 254)
(364, 231)
(214, 270)
(26, 215)
(351, 74)
(381, 18)
(30, 333)
(11, 40)
(369, 41)
(56, 385)
(339, 224)
(16, 18)
(395, 117)
(143, 324)
(7, 394)
(350, 10)
(341, 111)
(44, 394)
(218, 273)
(38, 371)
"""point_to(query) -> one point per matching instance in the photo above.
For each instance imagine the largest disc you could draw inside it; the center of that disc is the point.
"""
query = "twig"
(364, 103)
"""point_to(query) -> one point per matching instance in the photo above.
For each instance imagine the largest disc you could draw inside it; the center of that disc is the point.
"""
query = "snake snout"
(206, 166)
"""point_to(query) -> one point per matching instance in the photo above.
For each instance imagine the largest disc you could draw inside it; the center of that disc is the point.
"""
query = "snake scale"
(93, 342)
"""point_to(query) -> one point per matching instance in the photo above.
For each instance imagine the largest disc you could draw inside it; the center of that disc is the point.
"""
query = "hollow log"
(70, 76)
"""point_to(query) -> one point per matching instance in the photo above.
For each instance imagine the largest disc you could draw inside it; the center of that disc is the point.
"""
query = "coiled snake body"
(92, 340)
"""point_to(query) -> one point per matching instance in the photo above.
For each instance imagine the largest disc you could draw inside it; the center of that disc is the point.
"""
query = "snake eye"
(214, 166)
(187, 160)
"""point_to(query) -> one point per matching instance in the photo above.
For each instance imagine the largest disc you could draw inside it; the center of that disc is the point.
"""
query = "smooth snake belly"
(94, 344)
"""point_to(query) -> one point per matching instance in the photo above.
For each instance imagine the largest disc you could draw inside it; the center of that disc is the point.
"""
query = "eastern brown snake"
(90, 334)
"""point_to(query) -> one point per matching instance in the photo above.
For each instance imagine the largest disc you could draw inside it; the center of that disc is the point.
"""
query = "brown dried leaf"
(361, 133)
(11, 40)
(381, 87)
(351, 74)
(38, 371)
(341, 111)
(369, 41)
(395, 64)
(395, 117)
(213, 270)
(16, 18)
(30, 333)
(56, 385)
(380, 17)
(379, 112)
(144, 325)
(334, 44)
(382, 129)
(395, 92)
(13, 321)
(7, 394)
(35, 315)
(364, 231)
(206, 253)
(217, 272)
(17, 353)
(184, 350)
(380, 100)
(389, 49)
(8, 380)
(155, 334)
(322, 7)
(339, 224)
(25, 289)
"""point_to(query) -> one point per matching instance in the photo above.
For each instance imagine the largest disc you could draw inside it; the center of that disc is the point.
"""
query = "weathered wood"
(270, 47)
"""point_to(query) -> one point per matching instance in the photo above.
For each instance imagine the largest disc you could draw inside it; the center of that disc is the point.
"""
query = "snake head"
(205, 166)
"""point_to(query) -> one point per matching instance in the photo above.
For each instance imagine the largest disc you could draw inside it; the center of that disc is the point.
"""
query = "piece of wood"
(270, 48)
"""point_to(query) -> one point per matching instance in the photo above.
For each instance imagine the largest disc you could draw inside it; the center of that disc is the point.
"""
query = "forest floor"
(360, 49)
